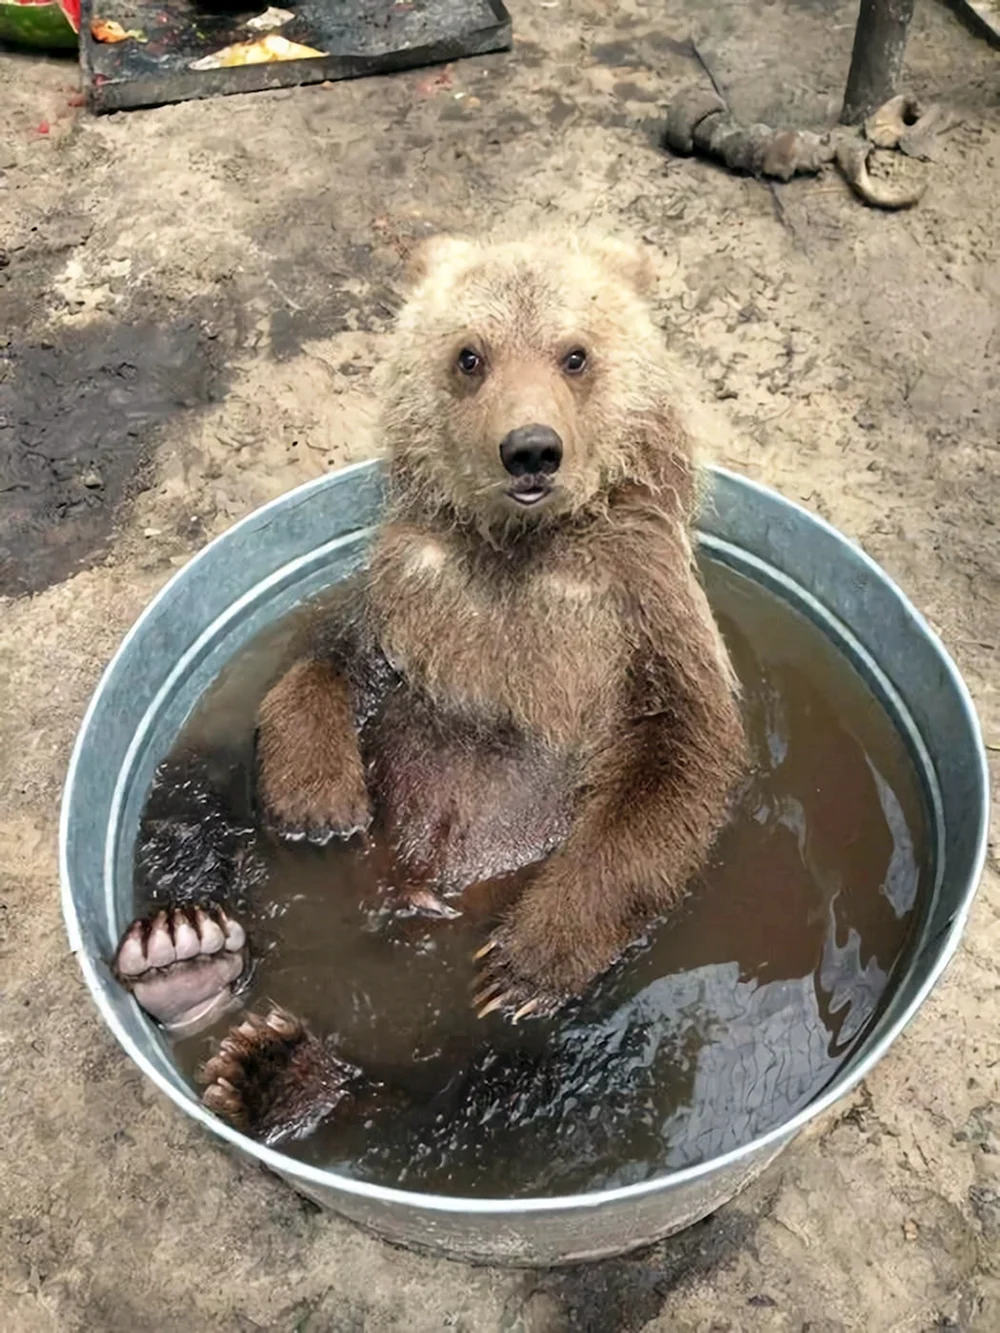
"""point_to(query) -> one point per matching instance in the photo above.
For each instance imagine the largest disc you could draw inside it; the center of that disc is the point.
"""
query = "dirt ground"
(192, 300)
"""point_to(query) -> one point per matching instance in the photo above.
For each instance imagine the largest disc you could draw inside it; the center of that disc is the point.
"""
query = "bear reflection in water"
(731, 1015)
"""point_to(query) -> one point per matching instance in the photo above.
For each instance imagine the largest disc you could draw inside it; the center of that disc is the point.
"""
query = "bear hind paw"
(182, 965)
(273, 1079)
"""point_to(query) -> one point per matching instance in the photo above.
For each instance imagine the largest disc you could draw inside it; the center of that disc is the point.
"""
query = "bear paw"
(273, 1079)
(310, 773)
(318, 808)
(500, 988)
(182, 964)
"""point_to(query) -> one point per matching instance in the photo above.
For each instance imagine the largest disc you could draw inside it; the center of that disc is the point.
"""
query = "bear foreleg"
(310, 774)
(656, 797)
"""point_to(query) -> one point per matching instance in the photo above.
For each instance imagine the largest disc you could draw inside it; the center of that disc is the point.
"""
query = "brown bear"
(528, 673)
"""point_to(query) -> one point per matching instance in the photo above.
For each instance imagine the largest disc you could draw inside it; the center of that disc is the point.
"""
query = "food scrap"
(435, 83)
(261, 52)
(271, 18)
(108, 31)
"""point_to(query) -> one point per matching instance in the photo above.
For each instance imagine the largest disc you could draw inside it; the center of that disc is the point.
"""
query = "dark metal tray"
(358, 37)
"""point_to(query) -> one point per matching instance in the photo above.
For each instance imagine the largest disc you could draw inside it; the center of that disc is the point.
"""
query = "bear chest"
(545, 653)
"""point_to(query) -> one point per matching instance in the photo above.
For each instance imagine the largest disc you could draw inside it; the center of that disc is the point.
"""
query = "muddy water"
(729, 1018)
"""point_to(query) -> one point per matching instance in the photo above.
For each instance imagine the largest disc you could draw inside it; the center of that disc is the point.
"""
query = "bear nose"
(530, 450)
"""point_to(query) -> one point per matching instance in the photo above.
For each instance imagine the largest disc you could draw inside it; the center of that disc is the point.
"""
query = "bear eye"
(575, 361)
(469, 361)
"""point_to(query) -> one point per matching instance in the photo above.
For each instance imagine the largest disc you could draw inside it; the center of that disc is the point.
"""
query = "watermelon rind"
(42, 27)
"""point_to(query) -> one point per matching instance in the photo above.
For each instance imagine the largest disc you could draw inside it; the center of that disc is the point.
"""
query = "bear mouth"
(528, 496)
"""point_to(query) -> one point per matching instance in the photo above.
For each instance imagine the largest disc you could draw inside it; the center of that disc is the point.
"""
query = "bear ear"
(632, 264)
(434, 252)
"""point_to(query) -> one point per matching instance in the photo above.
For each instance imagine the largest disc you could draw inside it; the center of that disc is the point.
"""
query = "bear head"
(528, 382)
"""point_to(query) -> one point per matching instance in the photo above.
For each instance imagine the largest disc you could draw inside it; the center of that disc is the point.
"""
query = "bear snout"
(531, 454)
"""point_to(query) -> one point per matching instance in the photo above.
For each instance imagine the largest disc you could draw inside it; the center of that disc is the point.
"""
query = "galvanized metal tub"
(301, 543)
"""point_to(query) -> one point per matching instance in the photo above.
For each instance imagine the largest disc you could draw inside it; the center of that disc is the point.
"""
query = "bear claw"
(316, 833)
(271, 1078)
(500, 989)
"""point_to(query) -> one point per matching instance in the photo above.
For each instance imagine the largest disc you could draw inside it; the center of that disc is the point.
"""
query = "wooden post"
(877, 58)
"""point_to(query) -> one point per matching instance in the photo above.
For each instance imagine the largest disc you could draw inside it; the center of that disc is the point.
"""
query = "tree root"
(700, 122)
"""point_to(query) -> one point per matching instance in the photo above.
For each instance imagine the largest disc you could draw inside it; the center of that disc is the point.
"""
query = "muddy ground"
(191, 303)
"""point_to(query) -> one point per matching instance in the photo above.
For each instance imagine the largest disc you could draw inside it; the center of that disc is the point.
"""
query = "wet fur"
(525, 686)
